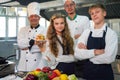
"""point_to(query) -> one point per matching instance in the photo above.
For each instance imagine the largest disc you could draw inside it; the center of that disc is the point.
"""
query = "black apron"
(97, 71)
(65, 68)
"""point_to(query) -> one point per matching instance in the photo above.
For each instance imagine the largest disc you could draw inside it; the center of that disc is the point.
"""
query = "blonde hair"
(97, 6)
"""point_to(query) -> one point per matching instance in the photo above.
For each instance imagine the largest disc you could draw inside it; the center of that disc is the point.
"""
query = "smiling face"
(69, 6)
(59, 25)
(34, 20)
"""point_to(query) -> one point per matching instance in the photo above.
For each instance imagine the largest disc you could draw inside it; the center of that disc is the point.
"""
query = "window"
(2, 11)
(12, 27)
(21, 11)
(21, 22)
(115, 25)
(12, 19)
(2, 27)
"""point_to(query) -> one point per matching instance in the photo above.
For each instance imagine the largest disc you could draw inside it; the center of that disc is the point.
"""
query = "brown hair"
(97, 6)
(66, 37)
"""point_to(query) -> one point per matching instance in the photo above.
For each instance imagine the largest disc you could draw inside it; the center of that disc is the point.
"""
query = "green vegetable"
(42, 76)
(72, 77)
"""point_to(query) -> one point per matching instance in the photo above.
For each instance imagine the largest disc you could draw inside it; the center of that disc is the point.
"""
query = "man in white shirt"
(77, 24)
(97, 46)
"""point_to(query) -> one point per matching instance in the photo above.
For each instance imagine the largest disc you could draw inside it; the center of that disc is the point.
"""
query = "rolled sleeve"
(110, 50)
(81, 54)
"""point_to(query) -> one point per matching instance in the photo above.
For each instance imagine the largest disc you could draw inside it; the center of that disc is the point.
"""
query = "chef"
(97, 47)
(30, 55)
(77, 24)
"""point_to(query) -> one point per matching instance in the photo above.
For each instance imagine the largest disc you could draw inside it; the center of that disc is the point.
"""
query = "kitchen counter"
(7, 72)
(11, 77)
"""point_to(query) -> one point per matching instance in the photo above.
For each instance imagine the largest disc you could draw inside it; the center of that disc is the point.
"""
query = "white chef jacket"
(111, 47)
(55, 60)
(78, 25)
(29, 59)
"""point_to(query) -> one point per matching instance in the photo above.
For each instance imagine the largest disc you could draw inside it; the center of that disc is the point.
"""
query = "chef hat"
(67, 0)
(33, 8)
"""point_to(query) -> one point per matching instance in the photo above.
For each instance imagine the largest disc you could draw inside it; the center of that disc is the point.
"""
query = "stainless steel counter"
(11, 77)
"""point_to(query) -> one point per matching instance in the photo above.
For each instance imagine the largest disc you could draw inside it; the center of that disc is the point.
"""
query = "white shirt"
(111, 47)
(55, 60)
(78, 25)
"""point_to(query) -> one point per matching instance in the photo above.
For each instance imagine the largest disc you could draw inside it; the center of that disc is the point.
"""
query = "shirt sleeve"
(81, 54)
(110, 50)
(51, 62)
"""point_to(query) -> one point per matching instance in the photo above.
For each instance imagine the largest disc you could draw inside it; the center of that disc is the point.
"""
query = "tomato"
(52, 75)
(57, 72)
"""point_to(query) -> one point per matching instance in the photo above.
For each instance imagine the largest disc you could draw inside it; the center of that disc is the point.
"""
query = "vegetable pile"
(46, 73)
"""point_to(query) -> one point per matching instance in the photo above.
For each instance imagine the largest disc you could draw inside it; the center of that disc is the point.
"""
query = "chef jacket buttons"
(26, 60)
(29, 38)
(29, 31)
(34, 59)
(36, 31)
(26, 52)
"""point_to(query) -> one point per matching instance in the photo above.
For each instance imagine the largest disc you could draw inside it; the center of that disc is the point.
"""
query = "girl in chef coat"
(58, 50)
(97, 47)
(30, 55)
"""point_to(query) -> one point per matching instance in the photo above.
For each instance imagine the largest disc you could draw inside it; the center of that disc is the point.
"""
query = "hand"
(41, 45)
(77, 36)
(31, 43)
(82, 46)
(99, 51)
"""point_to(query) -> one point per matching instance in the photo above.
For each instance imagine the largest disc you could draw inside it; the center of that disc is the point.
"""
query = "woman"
(58, 50)
(97, 46)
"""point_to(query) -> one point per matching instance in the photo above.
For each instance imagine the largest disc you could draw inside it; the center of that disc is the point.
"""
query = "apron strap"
(65, 52)
(104, 34)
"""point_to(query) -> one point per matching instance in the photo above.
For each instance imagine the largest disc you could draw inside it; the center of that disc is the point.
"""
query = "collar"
(103, 28)
(73, 18)
(35, 27)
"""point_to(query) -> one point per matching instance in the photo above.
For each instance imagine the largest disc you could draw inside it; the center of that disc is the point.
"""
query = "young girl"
(97, 46)
(58, 50)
